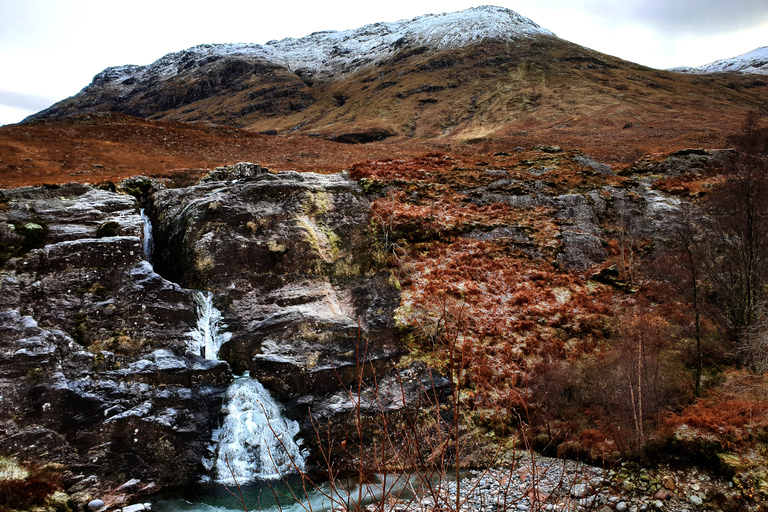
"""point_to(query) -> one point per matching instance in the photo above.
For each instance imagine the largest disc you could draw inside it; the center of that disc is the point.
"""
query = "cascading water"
(255, 439)
(206, 339)
(147, 245)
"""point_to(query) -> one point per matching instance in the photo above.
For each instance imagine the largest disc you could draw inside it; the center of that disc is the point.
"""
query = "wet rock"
(581, 250)
(580, 490)
(288, 256)
(397, 389)
(587, 161)
(139, 507)
(93, 366)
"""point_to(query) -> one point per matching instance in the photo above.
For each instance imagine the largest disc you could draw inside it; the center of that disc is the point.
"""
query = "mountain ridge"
(430, 77)
(333, 52)
(754, 62)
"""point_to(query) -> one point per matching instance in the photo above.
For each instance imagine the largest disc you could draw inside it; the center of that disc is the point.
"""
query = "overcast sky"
(50, 49)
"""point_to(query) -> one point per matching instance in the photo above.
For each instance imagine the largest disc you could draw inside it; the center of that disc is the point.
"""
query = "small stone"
(662, 494)
(95, 504)
(696, 487)
(621, 506)
(696, 500)
(579, 490)
(669, 484)
(658, 504)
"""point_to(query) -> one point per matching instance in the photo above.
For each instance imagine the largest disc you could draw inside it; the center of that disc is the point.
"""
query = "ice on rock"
(255, 440)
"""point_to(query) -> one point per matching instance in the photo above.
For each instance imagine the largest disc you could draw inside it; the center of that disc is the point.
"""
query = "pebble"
(95, 504)
(560, 486)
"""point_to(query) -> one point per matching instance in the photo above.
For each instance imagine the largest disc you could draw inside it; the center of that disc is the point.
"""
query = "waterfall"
(255, 437)
(206, 339)
(146, 244)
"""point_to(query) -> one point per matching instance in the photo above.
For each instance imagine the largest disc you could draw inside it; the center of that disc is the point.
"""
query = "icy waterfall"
(206, 339)
(255, 438)
(146, 243)
(255, 441)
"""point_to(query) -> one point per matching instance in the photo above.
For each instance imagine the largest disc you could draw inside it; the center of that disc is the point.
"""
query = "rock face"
(95, 370)
(290, 260)
(93, 365)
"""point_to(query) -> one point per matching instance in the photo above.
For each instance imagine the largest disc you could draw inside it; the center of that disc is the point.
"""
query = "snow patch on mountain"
(754, 62)
(332, 52)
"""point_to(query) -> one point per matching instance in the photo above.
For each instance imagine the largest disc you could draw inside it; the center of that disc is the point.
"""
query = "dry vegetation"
(619, 360)
(598, 369)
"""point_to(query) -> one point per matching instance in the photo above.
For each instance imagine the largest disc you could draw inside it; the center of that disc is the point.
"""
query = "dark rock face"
(289, 258)
(93, 365)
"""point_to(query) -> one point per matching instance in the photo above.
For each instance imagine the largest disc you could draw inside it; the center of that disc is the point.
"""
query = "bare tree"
(680, 265)
(737, 258)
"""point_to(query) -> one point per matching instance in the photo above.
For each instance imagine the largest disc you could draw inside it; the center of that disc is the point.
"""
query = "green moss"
(371, 186)
(82, 328)
(98, 289)
(108, 228)
(33, 234)
(138, 188)
(25, 487)
(35, 375)
(25, 237)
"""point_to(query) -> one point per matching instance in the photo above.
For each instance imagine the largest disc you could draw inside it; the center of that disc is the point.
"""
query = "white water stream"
(146, 244)
(255, 441)
(207, 337)
(255, 438)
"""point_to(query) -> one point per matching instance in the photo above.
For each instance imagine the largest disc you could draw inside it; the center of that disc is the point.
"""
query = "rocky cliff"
(95, 367)
(293, 265)
(95, 373)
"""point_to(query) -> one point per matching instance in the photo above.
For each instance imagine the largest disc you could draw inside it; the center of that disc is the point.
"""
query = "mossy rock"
(22, 237)
(109, 228)
(60, 502)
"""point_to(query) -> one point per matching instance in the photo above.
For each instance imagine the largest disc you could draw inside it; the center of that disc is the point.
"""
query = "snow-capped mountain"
(440, 75)
(754, 62)
(332, 52)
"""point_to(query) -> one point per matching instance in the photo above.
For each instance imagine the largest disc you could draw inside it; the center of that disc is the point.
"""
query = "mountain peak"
(754, 62)
(333, 52)
(205, 70)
